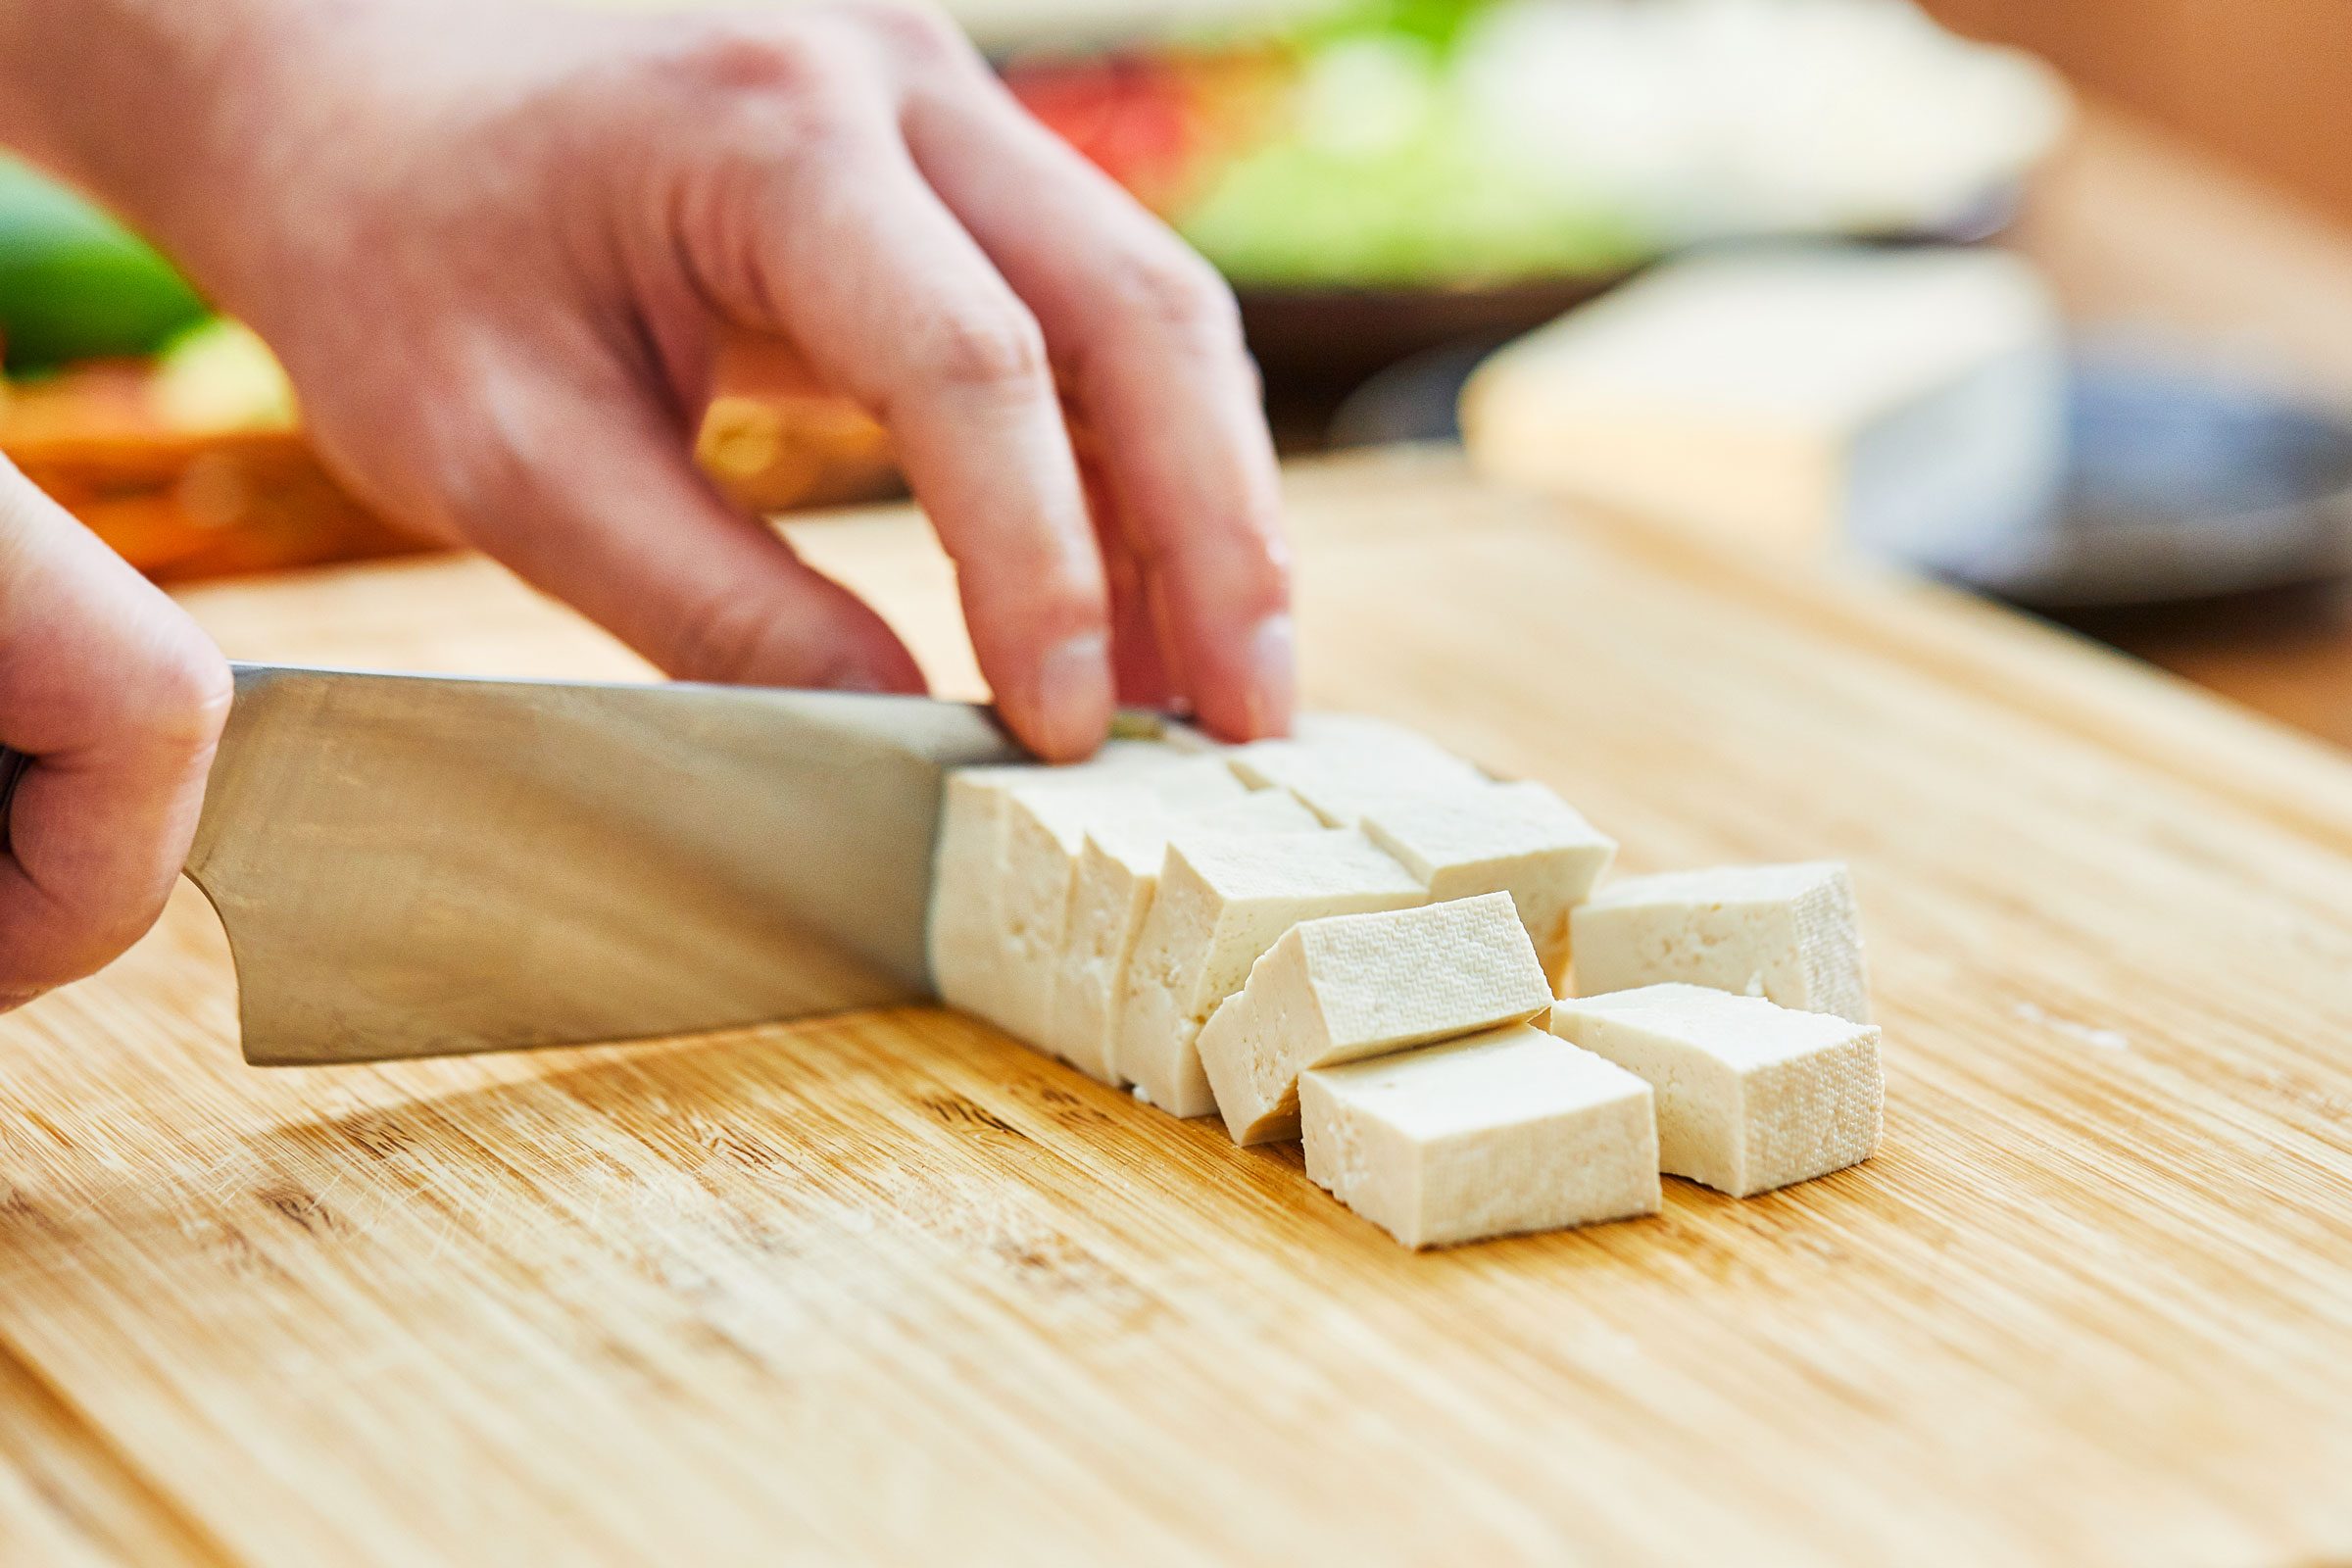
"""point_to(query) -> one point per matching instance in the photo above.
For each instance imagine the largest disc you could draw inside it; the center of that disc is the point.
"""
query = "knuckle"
(1173, 288)
(1001, 350)
(913, 32)
(186, 693)
(740, 57)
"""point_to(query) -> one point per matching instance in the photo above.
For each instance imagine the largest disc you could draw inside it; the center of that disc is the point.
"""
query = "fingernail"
(1273, 673)
(1073, 696)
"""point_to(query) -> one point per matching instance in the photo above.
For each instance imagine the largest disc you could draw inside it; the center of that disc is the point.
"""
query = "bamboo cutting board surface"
(889, 1287)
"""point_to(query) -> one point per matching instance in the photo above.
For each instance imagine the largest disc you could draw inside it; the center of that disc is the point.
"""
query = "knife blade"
(412, 865)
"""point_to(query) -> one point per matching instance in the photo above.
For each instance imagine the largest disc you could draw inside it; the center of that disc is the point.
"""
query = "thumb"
(118, 700)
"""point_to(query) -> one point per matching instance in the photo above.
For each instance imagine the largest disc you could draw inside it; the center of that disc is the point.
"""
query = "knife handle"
(12, 764)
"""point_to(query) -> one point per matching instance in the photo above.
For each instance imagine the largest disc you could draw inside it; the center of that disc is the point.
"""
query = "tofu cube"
(1751, 1096)
(1347, 738)
(1351, 986)
(1505, 1131)
(1117, 878)
(966, 889)
(1339, 779)
(1222, 901)
(1788, 933)
(1519, 839)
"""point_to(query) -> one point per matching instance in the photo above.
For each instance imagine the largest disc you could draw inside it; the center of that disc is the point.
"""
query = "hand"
(501, 251)
(118, 700)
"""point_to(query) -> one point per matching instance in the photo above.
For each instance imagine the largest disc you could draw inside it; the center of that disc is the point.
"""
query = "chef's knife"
(411, 865)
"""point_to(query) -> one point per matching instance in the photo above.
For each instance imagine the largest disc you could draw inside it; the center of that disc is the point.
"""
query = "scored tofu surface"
(1222, 901)
(1788, 933)
(1351, 986)
(1751, 1095)
(1117, 880)
(1504, 1131)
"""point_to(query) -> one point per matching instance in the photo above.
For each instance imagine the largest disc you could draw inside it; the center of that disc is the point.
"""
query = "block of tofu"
(1751, 1096)
(1784, 932)
(1117, 877)
(1909, 402)
(970, 865)
(966, 876)
(1222, 901)
(1519, 839)
(1351, 986)
(1336, 766)
(1045, 824)
(1342, 789)
(1505, 1131)
(1045, 832)
(1346, 737)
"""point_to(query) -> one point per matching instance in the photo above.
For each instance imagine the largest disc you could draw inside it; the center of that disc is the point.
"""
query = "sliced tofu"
(1117, 877)
(971, 863)
(1519, 839)
(1351, 986)
(1505, 1131)
(966, 889)
(1346, 737)
(1751, 1096)
(1045, 831)
(1338, 777)
(1784, 932)
(1222, 901)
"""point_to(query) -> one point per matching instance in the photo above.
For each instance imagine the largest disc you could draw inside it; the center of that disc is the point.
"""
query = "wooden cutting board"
(893, 1288)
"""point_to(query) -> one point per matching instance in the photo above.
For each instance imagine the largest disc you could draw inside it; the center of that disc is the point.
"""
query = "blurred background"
(2050, 298)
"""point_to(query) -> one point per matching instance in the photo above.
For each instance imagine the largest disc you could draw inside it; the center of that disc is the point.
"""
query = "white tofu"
(1046, 820)
(1223, 901)
(1751, 1096)
(1117, 876)
(1351, 986)
(1336, 777)
(1506, 1131)
(1045, 830)
(1356, 736)
(1519, 839)
(966, 886)
(1784, 932)
(970, 862)
(1909, 402)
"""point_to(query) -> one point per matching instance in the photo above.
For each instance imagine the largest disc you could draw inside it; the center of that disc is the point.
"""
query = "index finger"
(853, 258)
(1152, 344)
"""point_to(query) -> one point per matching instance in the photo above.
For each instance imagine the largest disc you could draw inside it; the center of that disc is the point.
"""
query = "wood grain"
(891, 1289)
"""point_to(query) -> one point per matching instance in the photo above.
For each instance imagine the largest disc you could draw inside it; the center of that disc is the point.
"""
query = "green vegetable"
(1382, 179)
(74, 285)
